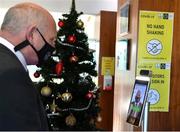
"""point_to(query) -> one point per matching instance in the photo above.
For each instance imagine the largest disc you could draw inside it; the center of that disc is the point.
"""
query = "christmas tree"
(68, 92)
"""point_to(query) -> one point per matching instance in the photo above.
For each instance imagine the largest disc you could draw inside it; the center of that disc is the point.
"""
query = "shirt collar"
(19, 55)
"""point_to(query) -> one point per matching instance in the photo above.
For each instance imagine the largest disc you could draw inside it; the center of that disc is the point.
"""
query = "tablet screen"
(137, 102)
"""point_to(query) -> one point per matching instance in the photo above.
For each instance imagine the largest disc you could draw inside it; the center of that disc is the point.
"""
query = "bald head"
(20, 16)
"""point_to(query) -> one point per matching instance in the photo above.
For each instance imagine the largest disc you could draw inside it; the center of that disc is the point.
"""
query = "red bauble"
(73, 59)
(89, 95)
(59, 68)
(60, 23)
(71, 38)
(36, 74)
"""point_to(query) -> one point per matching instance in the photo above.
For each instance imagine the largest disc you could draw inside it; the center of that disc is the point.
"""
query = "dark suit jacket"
(20, 105)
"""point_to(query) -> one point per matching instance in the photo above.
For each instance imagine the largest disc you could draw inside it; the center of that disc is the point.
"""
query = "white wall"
(87, 6)
(2, 13)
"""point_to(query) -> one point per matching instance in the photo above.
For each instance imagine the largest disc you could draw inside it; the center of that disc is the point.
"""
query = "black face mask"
(43, 54)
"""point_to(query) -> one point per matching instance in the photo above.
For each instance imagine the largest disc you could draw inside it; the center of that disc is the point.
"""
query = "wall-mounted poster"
(107, 66)
(154, 53)
(124, 19)
(122, 54)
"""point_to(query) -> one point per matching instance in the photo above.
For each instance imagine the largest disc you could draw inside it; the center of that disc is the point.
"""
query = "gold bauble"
(70, 120)
(66, 97)
(46, 91)
(80, 24)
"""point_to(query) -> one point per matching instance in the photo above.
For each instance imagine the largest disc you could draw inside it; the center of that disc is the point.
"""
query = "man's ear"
(30, 33)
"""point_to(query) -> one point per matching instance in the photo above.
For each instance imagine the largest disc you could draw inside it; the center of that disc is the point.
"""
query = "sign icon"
(154, 47)
(153, 96)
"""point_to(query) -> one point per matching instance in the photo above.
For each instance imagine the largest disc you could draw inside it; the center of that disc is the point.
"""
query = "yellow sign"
(107, 66)
(154, 53)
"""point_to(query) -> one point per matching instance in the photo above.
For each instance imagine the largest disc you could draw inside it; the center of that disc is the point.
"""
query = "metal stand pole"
(145, 118)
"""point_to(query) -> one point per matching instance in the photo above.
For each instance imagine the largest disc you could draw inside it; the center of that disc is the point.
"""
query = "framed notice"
(124, 19)
(123, 54)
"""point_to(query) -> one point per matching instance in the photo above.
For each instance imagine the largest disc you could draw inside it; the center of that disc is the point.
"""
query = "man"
(136, 105)
(135, 109)
(27, 36)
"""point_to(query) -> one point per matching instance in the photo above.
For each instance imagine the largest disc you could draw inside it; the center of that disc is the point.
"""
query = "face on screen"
(139, 93)
(137, 103)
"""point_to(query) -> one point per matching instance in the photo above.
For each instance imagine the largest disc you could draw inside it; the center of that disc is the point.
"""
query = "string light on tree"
(89, 95)
(47, 107)
(73, 58)
(99, 118)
